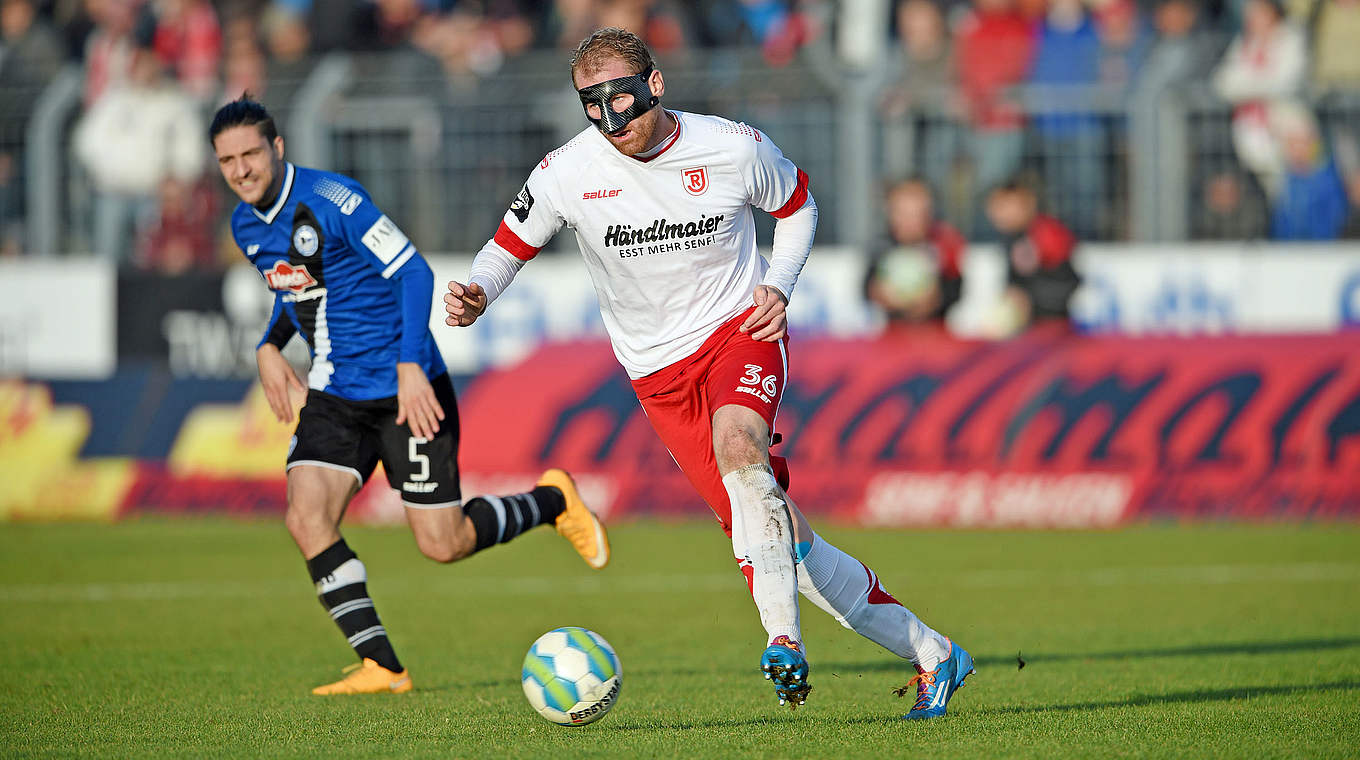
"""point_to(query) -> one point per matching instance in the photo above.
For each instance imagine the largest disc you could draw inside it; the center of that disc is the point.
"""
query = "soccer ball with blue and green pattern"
(571, 676)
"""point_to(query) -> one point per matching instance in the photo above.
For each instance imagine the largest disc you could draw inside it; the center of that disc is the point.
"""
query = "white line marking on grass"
(1194, 575)
(677, 583)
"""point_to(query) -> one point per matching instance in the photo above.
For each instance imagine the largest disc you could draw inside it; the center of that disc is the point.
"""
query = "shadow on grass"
(1196, 650)
(784, 719)
(1138, 700)
(1180, 697)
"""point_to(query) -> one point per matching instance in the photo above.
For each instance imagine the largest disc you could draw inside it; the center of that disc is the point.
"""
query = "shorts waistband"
(658, 381)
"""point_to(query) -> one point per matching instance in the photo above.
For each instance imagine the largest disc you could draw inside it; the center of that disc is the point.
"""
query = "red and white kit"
(670, 244)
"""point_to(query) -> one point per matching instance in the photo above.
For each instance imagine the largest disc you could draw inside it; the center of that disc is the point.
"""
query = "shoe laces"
(784, 641)
(923, 682)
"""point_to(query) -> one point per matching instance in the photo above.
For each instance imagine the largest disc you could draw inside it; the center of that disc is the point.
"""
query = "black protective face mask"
(601, 94)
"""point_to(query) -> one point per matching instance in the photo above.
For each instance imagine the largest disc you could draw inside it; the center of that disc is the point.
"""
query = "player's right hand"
(464, 303)
(277, 376)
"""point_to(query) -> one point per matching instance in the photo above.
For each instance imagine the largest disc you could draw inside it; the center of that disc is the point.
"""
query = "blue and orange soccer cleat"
(783, 662)
(934, 689)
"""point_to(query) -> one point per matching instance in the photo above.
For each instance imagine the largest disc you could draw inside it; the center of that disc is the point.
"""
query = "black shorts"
(354, 435)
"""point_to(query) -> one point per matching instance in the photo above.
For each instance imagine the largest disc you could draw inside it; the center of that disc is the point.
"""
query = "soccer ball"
(571, 676)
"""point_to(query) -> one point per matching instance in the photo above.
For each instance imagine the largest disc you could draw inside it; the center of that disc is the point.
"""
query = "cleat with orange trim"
(577, 523)
(367, 677)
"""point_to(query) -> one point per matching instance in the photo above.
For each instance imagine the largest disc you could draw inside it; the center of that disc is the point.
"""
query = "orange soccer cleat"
(577, 523)
(367, 677)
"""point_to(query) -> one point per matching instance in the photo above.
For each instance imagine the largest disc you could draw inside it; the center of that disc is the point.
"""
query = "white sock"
(850, 592)
(763, 533)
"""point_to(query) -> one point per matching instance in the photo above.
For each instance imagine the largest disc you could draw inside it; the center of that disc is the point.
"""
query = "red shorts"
(729, 368)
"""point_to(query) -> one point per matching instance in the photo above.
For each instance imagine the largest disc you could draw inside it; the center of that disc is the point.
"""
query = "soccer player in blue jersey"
(355, 288)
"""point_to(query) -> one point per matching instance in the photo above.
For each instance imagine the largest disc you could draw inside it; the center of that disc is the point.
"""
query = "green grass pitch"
(201, 638)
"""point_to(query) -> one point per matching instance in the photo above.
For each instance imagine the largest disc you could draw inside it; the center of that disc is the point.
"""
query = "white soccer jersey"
(669, 240)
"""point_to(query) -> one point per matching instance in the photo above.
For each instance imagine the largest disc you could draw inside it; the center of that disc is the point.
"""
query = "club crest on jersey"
(284, 276)
(523, 202)
(695, 180)
(305, 240)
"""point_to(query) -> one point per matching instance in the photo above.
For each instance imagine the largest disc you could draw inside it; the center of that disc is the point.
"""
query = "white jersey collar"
(268, 218)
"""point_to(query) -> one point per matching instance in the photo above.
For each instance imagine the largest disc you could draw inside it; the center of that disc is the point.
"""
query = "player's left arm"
(385, 248)
(777, 186)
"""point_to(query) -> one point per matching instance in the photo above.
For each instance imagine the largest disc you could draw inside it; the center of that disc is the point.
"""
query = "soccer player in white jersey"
(660, 202)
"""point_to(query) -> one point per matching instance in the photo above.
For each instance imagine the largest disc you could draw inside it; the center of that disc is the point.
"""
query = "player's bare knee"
(449, 543)
(439, 551)
(309, 527)
(445, 549)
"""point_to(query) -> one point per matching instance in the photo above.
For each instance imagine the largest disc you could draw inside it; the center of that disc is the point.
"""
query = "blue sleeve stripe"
(402, 258)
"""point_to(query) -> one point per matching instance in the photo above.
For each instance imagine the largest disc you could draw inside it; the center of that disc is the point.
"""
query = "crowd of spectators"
(915, 274)
(1028, 87)
(154, 68)
(1007, 97)
(998, 76)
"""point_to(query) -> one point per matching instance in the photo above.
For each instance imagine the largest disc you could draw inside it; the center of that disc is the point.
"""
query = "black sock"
(500, 518)
(341, 585)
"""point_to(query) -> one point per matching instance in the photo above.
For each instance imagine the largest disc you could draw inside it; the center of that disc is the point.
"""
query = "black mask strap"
(601, 94)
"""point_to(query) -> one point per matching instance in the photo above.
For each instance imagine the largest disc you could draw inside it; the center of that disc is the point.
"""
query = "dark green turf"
(201, 638)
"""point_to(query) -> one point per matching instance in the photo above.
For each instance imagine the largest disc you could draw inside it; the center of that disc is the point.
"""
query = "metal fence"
(1074, 149)
(445, 156)
(1207, 165)
(451, 158)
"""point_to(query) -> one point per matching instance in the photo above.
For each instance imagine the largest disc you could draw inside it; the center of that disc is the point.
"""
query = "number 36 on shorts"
(755, 380)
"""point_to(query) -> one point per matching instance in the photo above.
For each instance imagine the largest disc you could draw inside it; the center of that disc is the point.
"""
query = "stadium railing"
(447, 154)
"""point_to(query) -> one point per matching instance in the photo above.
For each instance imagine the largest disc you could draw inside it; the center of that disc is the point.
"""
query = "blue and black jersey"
(346, 278)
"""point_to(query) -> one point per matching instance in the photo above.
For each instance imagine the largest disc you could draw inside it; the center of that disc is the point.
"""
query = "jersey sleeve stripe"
(507, 239)
(402, 258)
(796, 201)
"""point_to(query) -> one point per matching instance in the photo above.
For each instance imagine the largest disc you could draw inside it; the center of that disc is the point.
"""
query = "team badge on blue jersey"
(305, 240)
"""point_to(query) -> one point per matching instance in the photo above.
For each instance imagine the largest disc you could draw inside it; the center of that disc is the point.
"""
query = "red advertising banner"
(1044, 431)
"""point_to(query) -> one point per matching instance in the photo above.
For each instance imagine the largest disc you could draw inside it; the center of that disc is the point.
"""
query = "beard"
(637, 134)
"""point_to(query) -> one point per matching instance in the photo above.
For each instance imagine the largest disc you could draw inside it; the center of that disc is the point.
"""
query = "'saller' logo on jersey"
(696, 180)
(305, 240)
(287, 277)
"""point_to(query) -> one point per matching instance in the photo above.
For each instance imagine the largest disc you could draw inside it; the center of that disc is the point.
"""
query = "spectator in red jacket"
(188, 40)
(1040, 279)
(993, 48)
(914, 275)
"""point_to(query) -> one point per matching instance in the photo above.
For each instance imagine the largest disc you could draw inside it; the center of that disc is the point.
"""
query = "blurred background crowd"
(929, 124)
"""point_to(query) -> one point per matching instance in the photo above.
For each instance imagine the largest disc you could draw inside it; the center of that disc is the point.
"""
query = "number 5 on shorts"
(414, 455)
